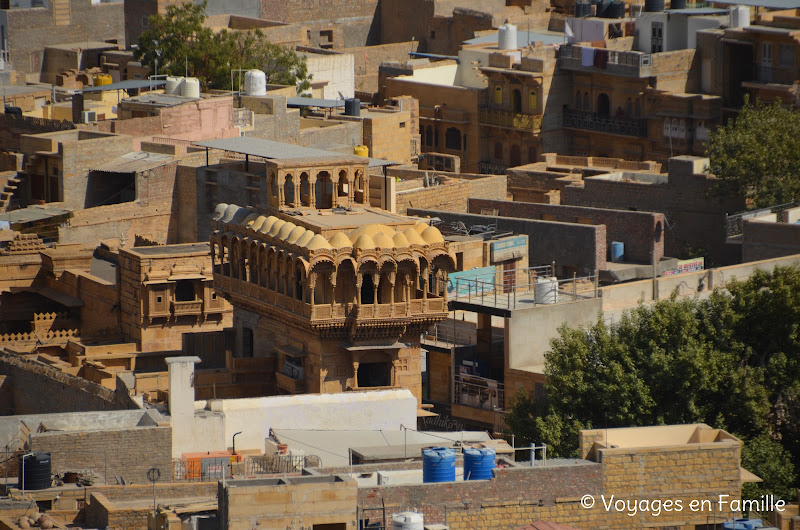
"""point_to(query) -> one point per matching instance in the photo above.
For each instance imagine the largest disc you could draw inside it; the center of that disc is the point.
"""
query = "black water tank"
(600, 12)
(653, 6)
(14, 110)
(616, 10)
(677, 4)
(352, 106)
(35, 468)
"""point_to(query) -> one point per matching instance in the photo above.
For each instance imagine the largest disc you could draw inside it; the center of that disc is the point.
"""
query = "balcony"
(479, 392)
(592, 121)
(191, 307)
(289, 384)
(627, 64)
(510, 120)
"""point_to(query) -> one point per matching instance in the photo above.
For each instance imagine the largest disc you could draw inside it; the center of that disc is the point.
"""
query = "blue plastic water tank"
(617, 251)
(743, 524)
(478, 464)
(438, 465)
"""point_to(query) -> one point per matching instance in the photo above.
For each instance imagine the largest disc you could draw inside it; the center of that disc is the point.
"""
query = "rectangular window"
(786, 55)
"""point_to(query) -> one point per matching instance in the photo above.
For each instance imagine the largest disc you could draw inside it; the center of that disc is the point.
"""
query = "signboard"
(466, 280)
(687, 265)
(509, 248)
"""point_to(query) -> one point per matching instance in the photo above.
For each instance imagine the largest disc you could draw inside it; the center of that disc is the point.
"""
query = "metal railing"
(593, 121)
(735, 222)
(526, 287)
(479, 392)
(513, 120)
(444, 333)
(779, 75)
(272, 464)
(623, 58)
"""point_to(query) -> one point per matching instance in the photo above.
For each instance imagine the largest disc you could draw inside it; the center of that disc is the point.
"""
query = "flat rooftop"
(352, 219)
(660, 436)
(159, 100)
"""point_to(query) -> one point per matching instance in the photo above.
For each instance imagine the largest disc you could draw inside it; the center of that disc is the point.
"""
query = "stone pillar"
(334, 191)
(376, 280)
(181, 398)
(392, 280)
(333, 292)
(359, 282)
(298, 201)
(355, 374)
(312, 191)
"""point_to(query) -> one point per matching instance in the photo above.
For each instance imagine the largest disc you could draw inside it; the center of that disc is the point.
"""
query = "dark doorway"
(105, 188)
(516, 101)
(374, 374)
(603, 105)
(515, 157)
(737, 68)
(367, 289)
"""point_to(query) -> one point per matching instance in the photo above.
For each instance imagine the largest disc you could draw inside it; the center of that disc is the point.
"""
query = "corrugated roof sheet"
(276, 150)
(315, 102)
(134, 162)
(125, 85)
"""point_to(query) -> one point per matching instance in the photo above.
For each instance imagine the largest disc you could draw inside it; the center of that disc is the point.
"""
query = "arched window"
(452, 138)
(578, 104)
(667, 128)
(515, 156)
(586, 105)
(603, 104)
(498, 151)
(498, 95)
(436, 136)
(533, 102)
(429, 136)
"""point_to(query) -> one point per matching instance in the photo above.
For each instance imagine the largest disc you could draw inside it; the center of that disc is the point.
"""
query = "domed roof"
(421, 227)
(295, 234)
(413, 237)
(400, 241)
(432, 235)
(276, 226)
(240, 214)
(258, 222)
(247, 221)
(364, 242)
(268, 223)
(371, 231)
(339, 240)
(230, 211)
(303, 240)
(318, 242)
(285, 230)
(383, 241)
(219, 211)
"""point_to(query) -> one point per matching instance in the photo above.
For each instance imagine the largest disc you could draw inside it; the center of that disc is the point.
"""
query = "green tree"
(765, 457)
(757, 155)
(182, 45)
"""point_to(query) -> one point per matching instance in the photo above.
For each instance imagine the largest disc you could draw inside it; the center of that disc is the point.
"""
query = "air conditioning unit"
(88, 116)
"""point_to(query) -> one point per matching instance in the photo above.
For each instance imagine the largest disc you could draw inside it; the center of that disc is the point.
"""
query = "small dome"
(219, 211)
(230, 211)
(432, 235)
(364, 242)
(318, 242)
(247, 221)
(413, 237)
(303, 240)
(276, 226)
(285, 230)
(339, 240)
(258, 222)
(371, 231)
(268, 222)
(421, 227)
(383, 241)
(295, 234)
(240, 214)
(400, 241)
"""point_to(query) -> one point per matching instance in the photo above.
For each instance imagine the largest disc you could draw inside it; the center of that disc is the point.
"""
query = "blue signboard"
(467, 280)
(509, 248)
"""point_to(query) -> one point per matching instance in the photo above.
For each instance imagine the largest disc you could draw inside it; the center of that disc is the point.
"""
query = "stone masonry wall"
(638, 230)
(38, 388)
(125, 452)
(764, 240)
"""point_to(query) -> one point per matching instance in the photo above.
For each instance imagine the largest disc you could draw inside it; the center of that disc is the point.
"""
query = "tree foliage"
(182, 45)
(730, 360)
(757, 155)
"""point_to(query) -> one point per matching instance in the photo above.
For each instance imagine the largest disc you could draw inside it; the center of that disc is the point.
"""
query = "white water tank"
(545, 290)
(255, 83)
(740, 16)
(174, 85)
(191, 87)
(507, 37)
(408, 521)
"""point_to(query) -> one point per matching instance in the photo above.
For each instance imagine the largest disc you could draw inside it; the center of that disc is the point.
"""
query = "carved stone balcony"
(191, 307)
(592, 121)
(510, 120)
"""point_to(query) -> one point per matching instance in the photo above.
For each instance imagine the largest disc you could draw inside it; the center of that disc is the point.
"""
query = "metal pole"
(574, 286)
(405, 443)
(154, 502)
(533, 454)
